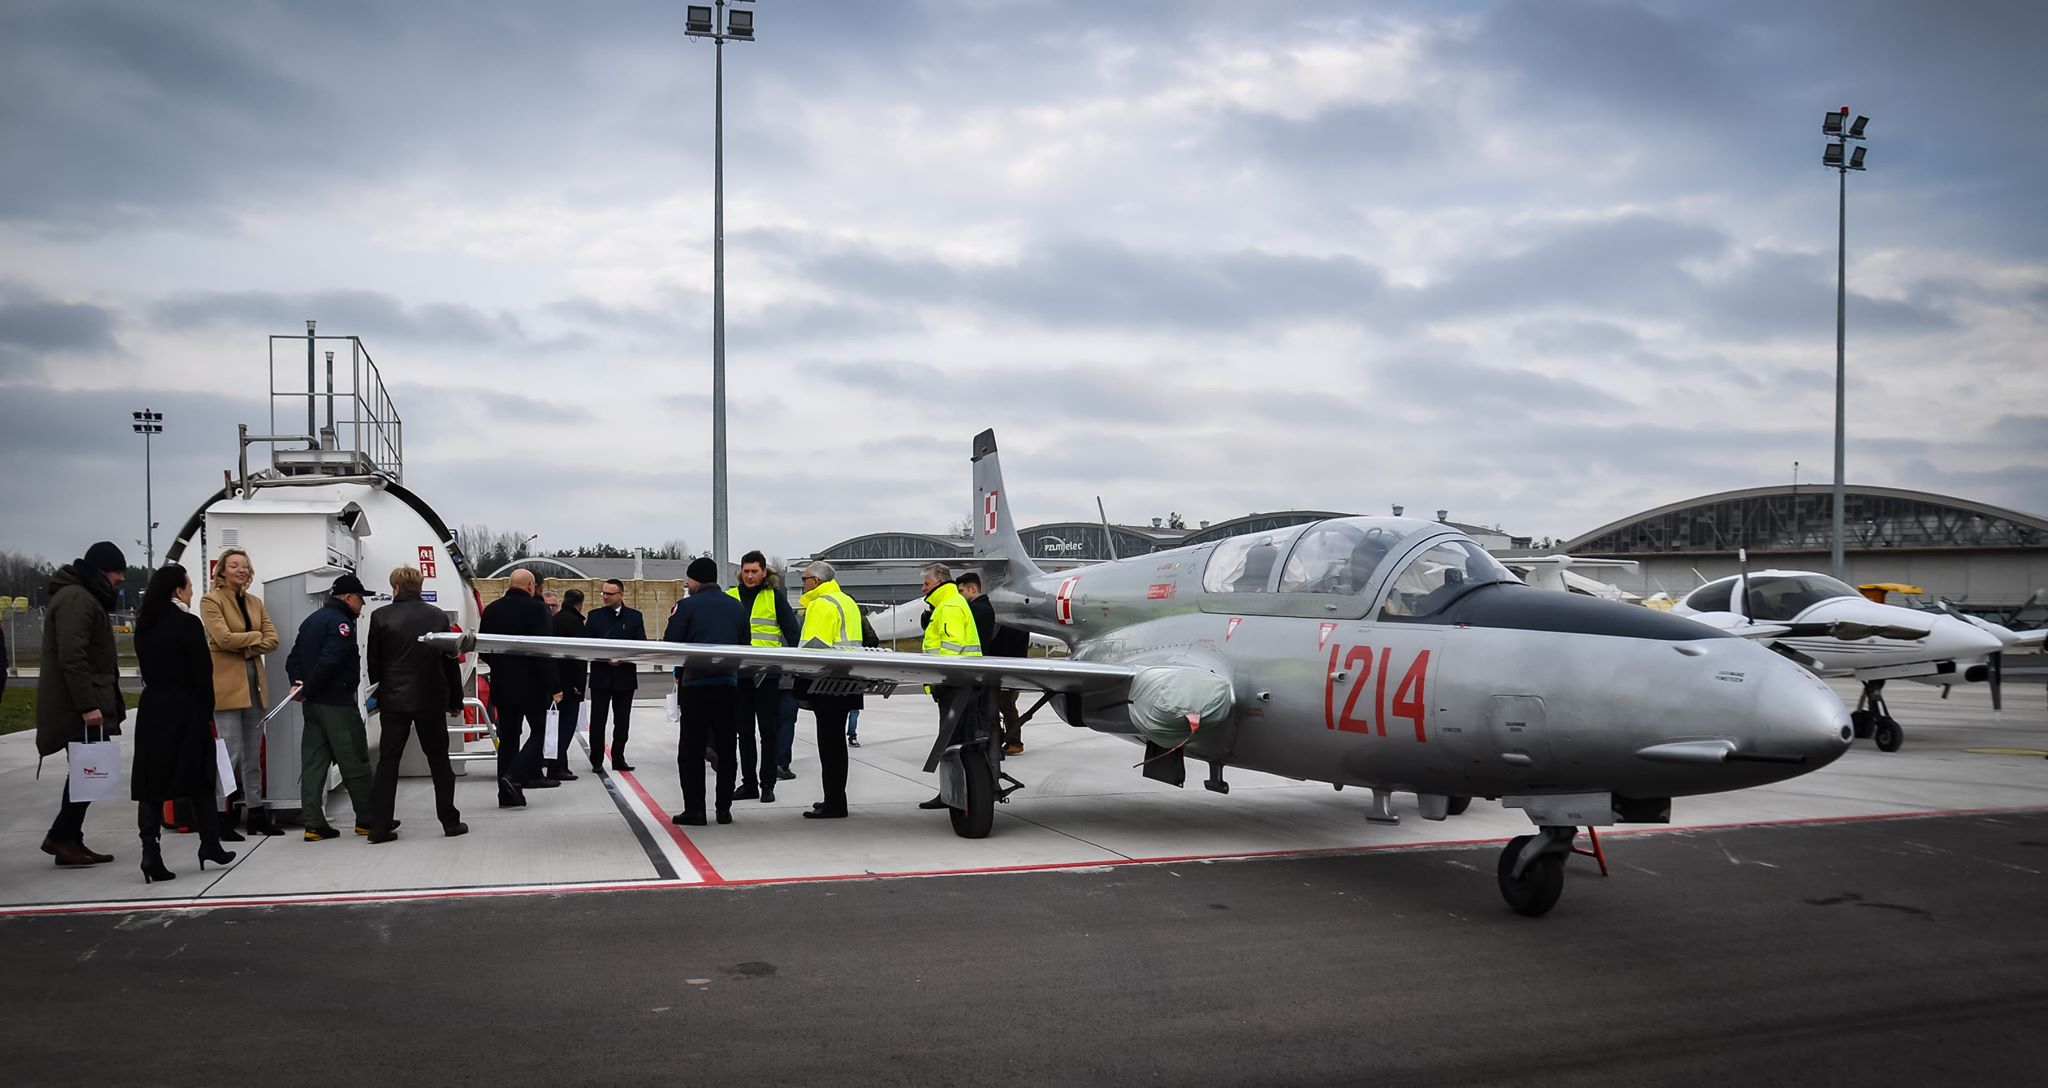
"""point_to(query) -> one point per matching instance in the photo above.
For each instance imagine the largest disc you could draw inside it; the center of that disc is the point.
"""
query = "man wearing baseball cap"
(326, 664)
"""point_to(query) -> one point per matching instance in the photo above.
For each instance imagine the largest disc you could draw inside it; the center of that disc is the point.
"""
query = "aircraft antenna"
(1107, 539)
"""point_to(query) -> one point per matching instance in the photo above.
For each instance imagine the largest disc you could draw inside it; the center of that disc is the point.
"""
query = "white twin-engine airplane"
(1392, 654)
(1837, 631)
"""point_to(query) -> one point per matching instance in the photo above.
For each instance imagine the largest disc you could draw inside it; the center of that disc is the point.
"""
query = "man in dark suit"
(569, 624)
(522, 688)
(709, 694)
(612, 683)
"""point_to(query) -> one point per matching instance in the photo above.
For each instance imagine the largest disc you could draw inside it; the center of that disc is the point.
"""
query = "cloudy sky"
(1543, 264)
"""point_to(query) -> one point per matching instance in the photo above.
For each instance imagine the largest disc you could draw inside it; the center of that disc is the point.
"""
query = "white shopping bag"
(223, 769)
(95, 769)
(551, 735)
(675, 708)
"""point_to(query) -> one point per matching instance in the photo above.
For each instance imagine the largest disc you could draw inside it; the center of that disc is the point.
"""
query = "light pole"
(148, 423)
(719, 24)
(1837, 157)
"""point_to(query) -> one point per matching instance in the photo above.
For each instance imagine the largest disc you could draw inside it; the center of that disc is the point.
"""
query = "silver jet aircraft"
(1390, 654)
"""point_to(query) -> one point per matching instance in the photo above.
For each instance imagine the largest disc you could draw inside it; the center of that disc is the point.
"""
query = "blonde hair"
(406, 580)
(220, 566)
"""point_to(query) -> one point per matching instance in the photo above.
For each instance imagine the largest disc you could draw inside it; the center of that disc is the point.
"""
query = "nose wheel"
(1873, 718)
(1531, 870)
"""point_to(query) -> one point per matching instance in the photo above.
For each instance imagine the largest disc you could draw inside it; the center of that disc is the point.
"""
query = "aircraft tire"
(1457, 806)
(1862, 722)
(979, 818)
(1542, 882)
(1888, 735)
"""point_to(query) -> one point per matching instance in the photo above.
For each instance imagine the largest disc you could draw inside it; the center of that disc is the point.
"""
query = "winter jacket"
(624, 623)
(411, 677)
(519, 681)
(174, 721)
(233, 642)
(575, 671)
(80, 669)
(708, 617)
(326, 657)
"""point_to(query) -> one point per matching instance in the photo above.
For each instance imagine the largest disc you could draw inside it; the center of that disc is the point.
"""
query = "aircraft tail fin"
(995, 531)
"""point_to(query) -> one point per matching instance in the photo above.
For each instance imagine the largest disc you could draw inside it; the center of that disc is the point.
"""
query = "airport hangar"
(1986, 558)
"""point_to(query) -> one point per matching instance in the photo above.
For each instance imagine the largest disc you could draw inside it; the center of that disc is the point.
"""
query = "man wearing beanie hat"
(79, 690)
(709, 694)
(326, 662)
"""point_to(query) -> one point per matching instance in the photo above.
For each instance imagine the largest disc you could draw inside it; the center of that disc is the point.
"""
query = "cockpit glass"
(1440, 575)
(1712, 597)
(1337, 557)
(1785, 596)
(1244, 564)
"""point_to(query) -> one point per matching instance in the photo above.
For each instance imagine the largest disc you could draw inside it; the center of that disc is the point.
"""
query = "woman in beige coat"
(239, 633)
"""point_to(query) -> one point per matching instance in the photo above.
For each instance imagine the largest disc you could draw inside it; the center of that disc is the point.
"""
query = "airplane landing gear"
(1531, 869)
(968, 757)
(1873, 718)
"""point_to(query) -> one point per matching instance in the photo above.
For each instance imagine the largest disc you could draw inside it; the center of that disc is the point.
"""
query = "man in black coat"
(709, 694)
(575, 677)
(418, 688)
(78, 694)
(522, 689)
(998, 640)
(612, 683)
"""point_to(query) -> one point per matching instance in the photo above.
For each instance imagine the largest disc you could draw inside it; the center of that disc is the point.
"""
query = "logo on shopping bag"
(90, 771)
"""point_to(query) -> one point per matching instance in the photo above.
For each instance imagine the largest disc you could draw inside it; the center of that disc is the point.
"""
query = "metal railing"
(351, 425)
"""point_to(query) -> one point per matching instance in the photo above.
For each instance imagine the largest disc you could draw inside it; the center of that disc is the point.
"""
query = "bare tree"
(962, 529)
(23, 575)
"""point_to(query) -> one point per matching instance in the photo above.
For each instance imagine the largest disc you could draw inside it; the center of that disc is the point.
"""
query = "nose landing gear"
(1873, 718)
(1531, 869)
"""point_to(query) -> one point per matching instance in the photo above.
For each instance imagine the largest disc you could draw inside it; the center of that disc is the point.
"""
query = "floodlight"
(1856, 130)
(739, 23)
(697, 19)
(1831, 155)
(1830, 122)
(1856, 158)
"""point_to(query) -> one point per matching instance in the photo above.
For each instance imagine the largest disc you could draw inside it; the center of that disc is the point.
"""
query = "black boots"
(153, 864)
(260, 822)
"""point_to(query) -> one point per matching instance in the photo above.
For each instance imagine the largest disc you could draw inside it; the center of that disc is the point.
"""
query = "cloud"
(33, 325)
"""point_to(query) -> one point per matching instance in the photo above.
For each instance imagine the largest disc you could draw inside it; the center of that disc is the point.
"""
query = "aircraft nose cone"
(1957, 639)
(1806, 717)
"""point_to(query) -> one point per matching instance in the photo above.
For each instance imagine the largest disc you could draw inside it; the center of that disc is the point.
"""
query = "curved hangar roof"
(1786, 517)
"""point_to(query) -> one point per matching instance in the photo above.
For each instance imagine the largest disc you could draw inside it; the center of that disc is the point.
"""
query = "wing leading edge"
(876, 671)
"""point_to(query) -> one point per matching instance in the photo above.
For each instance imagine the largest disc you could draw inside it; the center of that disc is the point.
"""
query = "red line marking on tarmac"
(697, 859)
(712, 880)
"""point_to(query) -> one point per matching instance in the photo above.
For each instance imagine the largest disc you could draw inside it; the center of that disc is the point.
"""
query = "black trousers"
(605, 702)
(831, 715)
(149, 822)
(519, 763)
(432, 730)
(566, 734)
(69, 826)
(758, 715)
(710, 720)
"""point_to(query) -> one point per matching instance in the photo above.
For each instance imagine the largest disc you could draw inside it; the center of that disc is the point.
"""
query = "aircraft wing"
(870, 671)
(1846, 630)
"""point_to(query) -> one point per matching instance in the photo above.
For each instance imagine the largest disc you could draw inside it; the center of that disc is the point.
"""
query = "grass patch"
(18, 706)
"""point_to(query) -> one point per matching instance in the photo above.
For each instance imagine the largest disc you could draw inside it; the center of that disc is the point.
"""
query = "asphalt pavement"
(1870, 952)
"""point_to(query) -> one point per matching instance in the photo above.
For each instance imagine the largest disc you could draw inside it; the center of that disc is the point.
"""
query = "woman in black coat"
(174, 754)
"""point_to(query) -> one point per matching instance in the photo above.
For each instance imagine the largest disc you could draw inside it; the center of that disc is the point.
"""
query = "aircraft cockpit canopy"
(1442, 574)
(1337, 557)
(1771, 596)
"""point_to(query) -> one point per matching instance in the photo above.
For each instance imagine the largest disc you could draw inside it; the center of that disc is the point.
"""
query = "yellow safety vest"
(831, 617)
(951, 633)
(762, 625)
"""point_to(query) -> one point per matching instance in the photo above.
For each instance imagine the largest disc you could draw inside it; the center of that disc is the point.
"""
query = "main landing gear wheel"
(1457, 806)
(1887, 734)
(1535, 891)
(979, 817)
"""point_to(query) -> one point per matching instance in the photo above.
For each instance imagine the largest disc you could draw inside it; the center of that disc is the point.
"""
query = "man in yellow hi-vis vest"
(833, 620)
(949, 633)
(770, 622)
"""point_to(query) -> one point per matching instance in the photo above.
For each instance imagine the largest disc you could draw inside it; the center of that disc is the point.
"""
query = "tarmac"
(1878, 921)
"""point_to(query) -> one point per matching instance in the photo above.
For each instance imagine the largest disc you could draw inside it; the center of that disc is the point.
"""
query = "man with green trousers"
(326, 664)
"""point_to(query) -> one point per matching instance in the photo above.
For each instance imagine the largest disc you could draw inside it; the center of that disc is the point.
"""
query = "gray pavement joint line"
(662, 868)
(241, 856)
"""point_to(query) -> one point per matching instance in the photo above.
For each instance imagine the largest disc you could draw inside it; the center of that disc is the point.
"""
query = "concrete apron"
(1085, 805)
